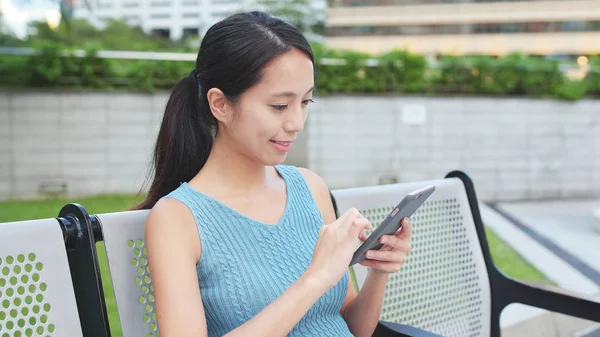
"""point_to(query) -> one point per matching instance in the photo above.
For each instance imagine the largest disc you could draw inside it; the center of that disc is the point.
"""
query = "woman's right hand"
(336, 245)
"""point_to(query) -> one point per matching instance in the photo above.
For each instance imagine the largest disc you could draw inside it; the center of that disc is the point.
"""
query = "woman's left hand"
(393, 254)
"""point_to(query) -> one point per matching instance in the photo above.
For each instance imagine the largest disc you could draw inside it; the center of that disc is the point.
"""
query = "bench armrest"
(554, 299)
(389, 329)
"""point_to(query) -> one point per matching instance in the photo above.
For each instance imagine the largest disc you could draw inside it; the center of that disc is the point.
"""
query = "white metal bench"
(449, 286)
(50, 282)
(36, 294)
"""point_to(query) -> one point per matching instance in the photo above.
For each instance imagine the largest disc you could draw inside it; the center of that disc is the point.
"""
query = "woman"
(238, 243)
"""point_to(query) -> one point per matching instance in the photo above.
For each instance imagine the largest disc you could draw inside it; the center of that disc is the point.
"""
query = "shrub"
(396, 72)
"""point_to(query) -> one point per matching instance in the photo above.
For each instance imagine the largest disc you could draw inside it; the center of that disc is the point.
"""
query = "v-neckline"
(238, 214)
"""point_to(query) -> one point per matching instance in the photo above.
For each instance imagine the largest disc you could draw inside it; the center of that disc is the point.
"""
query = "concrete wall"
(512, 148)
(92, 143)
(88, 143)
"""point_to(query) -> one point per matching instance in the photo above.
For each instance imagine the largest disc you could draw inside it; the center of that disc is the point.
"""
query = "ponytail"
(184, 140)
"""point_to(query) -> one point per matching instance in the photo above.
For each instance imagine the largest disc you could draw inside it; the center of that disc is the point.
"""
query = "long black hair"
(231, 58)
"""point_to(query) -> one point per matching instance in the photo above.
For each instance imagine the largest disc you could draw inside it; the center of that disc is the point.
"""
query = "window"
(131, 18)
(190, 32)
(161, 33)
(480, 28)
(160, 4)
(223, 2)
(359, 3)
(160, 16)
(190, 15)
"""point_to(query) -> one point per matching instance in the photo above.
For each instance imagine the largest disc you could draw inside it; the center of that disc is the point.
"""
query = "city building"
(175, 19)
(492, 27)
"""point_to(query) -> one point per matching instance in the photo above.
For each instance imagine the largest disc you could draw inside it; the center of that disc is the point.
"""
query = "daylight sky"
(17, 13)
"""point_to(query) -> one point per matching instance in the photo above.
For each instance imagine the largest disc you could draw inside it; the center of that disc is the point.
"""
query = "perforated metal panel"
(36, 292)
(443, 287)
(123, 234)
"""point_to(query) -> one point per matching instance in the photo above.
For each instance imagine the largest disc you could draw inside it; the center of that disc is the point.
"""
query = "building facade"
(492, 27)
(175, 19)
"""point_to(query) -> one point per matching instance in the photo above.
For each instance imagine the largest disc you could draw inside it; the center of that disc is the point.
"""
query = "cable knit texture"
(246, 265)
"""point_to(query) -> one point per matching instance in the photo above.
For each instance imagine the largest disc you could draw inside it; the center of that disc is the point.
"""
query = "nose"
(296, 120)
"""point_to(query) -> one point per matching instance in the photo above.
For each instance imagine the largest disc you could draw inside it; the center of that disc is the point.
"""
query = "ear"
(219, 105)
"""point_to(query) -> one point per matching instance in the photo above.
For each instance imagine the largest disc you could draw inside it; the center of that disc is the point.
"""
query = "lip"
(283, 146)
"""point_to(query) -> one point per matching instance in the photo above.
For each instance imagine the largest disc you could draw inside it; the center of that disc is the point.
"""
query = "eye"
(305, 102)
(279, 107)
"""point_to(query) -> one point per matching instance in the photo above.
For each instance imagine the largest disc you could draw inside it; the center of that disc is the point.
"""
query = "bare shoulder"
(170, 221)
(320, 191)
(316, 183)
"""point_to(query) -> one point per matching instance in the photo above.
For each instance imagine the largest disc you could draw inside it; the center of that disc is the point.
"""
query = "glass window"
(480, 28)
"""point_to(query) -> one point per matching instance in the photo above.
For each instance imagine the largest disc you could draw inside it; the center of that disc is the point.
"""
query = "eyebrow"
(289, 93)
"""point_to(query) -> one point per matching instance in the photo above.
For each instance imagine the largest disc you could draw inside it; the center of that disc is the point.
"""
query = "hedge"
(396, 72)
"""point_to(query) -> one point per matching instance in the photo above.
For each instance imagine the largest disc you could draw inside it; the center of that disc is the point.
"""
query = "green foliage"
(80, 34)
(571, 90)
(592, 80)
(404, 72)
(542, 77)
(396, 72)
(514, 74)
(352, 76)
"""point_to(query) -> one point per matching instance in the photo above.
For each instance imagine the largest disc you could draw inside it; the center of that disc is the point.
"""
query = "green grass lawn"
(504, 256)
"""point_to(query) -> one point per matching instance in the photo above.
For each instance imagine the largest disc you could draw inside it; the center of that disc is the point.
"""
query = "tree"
(303, 14)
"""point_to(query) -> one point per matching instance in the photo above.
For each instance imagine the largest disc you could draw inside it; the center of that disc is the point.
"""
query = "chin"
(275, 160)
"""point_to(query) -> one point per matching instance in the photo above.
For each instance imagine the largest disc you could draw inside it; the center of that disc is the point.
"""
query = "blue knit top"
(246, 265)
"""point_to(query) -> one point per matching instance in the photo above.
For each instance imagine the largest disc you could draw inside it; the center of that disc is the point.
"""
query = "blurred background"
(507, 91)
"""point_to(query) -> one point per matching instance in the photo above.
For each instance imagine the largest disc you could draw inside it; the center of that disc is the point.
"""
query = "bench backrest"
(123, 234)
(444, 286)
(36, 291)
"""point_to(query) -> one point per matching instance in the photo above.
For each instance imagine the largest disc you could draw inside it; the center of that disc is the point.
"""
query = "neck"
(233, 171)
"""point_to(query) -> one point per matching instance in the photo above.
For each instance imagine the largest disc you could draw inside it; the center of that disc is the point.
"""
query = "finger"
(350, 214)
(385, 267)
(396, 243)
(358, 225)
(363, 236)
(406, 230)
(386, 256)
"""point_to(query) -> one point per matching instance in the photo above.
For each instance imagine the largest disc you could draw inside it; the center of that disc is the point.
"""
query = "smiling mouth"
(282, 146)
(281, 143)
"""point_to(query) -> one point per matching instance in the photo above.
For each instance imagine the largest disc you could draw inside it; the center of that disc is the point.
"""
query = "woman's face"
(267, 118)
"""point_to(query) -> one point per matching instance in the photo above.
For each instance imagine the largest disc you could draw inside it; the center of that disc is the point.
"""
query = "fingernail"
(383, 240)
(369, 255)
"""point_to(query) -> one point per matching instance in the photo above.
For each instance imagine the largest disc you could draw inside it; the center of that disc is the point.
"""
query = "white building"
(169, 18)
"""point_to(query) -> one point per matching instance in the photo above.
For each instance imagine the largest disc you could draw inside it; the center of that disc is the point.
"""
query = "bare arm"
(361, 311)
(174, 249)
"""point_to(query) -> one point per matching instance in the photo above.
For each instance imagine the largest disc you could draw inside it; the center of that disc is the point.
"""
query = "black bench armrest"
(389, 329)
(553, 299)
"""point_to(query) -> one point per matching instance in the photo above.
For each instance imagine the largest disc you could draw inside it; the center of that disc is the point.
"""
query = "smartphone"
(411, 202)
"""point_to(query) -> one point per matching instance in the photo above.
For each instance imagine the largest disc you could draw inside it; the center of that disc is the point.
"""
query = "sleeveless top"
(245, 265)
